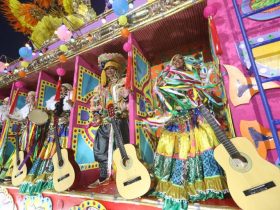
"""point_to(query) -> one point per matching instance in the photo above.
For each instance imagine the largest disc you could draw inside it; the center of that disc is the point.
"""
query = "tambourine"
(38, 117)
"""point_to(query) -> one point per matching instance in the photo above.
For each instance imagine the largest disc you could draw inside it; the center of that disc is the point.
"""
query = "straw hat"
(67, 86)
(107, 60)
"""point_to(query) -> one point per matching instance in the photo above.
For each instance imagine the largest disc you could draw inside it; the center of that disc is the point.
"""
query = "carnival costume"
(110, 91)
(4, 111)
(39, 178)
(184, 164)
(27, 133)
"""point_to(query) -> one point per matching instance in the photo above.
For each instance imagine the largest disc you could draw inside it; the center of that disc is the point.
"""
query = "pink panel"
(229, 35)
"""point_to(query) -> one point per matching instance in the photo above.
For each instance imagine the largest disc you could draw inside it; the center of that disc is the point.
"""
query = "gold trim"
(147, 14)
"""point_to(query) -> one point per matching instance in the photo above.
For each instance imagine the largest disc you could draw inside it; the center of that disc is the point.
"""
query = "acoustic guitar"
(132, 178)
(65, 174)
(20, 170)
(241, 88)
(254, 183)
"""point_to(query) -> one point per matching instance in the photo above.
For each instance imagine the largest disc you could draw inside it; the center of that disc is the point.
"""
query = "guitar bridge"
(63, 177)
(259, 188)
(18, 174)
(138, 178)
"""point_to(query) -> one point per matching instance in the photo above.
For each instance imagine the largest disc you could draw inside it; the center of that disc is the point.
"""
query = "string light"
(103, 20)
(131, 6)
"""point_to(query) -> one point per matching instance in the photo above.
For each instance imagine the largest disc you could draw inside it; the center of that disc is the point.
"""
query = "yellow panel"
(267, 50)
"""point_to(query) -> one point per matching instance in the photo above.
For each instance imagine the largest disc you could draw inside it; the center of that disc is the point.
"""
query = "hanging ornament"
(62, 58)
(25, 52)
(209, 12)
(127, 47)
(120, 7)
(21, 74)
(60, 72)
(63, 48)
(24, 64)
(63, 33)
(122, 20)
(125, 32)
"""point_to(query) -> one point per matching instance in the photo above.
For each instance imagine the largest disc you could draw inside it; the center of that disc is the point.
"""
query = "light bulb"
(103, 20)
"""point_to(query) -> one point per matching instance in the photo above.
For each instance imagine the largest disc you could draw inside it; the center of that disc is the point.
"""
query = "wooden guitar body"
(18, 176)
(254, 185)
(65, 174)
(132, 179)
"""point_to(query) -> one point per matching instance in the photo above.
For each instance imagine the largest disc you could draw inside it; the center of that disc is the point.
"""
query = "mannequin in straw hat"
(110, 91)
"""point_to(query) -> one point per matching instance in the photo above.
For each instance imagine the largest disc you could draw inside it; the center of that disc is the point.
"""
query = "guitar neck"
(119, 139)
(58, 149)
(17, 148)
(221, 136)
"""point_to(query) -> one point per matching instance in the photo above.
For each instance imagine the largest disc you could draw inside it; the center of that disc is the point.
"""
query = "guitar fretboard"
(231, 149)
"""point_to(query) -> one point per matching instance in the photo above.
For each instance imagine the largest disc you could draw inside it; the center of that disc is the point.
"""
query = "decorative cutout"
(251, 5)
(84, 115)
(140, 68)
(46, 91)
(89, 205)
(242, 88)
(6, 200)
(37, 202)
(141, 105)
(267, 56)
(144, 142)
(87, 81)
(84, 153)
(260, 136)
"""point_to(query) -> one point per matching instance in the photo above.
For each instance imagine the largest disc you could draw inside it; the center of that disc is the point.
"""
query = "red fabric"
(128, 73)
(215, 37)
(58, 89)
(14, 103)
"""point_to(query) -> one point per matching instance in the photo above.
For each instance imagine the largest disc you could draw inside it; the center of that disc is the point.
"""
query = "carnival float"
(158, 104)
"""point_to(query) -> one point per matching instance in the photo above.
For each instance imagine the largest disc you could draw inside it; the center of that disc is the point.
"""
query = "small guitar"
(19, 173)
(132, 178)
(65, 167)
(254, 183)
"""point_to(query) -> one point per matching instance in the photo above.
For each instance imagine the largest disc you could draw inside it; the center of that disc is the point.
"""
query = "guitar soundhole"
(125, 162)
(240, 158)
(60, 163)
(240, 162)
(18, 162)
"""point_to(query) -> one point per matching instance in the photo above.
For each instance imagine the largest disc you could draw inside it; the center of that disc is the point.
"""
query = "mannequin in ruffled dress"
(23, 134)
(184, 165)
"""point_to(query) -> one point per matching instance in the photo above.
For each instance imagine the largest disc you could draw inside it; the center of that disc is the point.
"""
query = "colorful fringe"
(39, 178)
(185, 167)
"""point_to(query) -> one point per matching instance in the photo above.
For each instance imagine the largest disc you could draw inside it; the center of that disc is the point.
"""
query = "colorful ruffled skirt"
(39, 177)
(185, 168)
